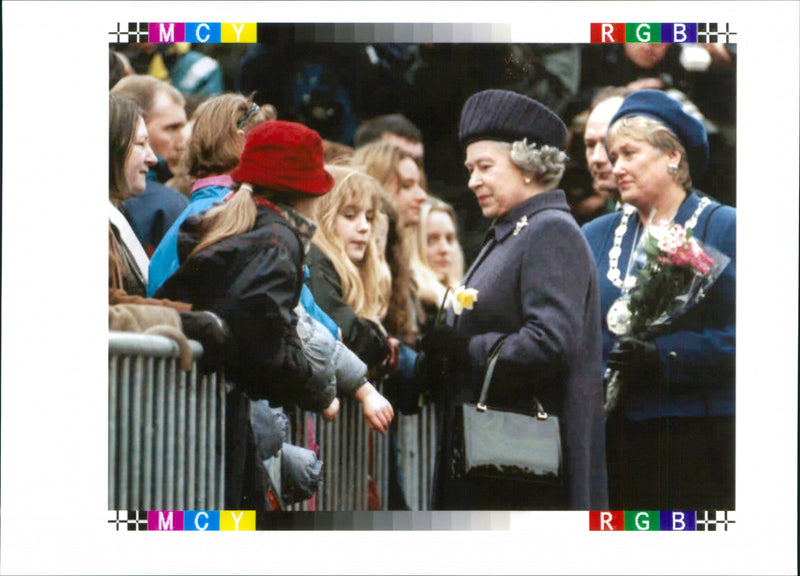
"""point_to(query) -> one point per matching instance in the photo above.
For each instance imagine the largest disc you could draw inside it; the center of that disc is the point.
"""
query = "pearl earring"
(528, 180)
(672, 169)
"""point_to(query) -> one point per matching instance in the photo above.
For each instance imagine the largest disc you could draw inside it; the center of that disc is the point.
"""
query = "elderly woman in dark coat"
(536, 285)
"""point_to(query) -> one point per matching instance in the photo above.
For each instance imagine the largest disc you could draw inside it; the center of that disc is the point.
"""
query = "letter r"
(605, 521)
(608, 29)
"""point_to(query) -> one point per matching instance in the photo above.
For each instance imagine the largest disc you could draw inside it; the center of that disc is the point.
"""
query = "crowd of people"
(313, 268)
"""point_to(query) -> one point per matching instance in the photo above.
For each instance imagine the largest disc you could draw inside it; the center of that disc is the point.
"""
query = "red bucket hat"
(285, 157)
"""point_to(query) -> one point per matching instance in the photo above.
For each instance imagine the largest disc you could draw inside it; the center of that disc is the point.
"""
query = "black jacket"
(253, 282)
(359, 334)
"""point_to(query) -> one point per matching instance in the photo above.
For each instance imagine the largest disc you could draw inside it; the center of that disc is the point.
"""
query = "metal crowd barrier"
(166, 439)
(417, 455)
(354, 458)
(166, 428)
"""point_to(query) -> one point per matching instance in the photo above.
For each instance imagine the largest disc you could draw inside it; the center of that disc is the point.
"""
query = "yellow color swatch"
(238, 33)
(237, 520)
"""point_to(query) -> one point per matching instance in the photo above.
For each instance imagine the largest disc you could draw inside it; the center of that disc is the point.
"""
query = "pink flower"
(670, 237)
(687, 254)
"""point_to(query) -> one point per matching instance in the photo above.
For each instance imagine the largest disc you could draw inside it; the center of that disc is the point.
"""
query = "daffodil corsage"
(464, 299)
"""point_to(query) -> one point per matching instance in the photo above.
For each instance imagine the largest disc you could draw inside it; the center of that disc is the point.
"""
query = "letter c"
(204, 527)
(197, 33)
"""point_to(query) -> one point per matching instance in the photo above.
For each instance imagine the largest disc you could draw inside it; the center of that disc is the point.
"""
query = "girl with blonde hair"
(437, 260)
(348, 275)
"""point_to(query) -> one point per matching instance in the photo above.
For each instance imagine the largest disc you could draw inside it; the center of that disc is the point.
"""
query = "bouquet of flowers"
(669, 272)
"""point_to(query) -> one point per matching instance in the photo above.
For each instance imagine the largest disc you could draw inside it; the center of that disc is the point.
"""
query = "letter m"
(165, 523)
(166, 32)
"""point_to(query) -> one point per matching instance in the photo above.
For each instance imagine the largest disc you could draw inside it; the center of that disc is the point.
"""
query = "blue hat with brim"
(659, 106)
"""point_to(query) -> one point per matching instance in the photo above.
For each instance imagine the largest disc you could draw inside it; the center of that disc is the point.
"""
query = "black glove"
(635, 358)
(444, 342)
(214, 335)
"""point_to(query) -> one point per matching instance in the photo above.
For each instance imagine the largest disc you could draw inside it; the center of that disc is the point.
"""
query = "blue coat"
(698, 354)
(537, 285)
(164, 261)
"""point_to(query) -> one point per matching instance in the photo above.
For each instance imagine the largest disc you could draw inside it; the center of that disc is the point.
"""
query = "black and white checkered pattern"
(132, 519)
(712, 33)
(713, 520)
(136, 32)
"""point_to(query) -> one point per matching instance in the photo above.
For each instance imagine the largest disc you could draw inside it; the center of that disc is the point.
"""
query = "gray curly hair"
(545, 163)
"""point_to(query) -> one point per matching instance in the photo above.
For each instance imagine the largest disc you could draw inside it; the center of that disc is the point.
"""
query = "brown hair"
(215, 144)
(380, 160)
(123, 121)
(144, 90)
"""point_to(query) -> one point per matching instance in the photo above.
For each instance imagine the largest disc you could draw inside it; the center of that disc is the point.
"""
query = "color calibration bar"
(660, 521)
(253, 32)
(249, 520)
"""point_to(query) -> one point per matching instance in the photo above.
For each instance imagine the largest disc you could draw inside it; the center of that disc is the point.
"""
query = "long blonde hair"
(236, 216)
(430, 286)
(366, 286)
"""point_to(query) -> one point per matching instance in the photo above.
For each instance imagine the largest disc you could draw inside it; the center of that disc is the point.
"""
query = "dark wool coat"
(537, 285)
(359, 334)
(252, 281)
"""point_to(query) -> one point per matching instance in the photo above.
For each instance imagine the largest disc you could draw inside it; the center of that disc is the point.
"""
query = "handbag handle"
(494, 353)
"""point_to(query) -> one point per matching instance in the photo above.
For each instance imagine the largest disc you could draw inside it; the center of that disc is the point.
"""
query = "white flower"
(659, 231)
(521, 223)
(464, 298)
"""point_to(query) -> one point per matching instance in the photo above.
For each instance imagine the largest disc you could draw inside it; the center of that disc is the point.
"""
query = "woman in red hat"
(244, 261)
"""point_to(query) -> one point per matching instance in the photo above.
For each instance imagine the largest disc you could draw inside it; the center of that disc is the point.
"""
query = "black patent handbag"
(509, 445)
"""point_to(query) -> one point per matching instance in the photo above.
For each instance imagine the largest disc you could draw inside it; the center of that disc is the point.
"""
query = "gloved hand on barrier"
(213, 334)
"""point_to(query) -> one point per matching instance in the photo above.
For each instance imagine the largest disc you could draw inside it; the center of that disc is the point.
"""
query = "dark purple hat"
(507, 116)
(659, 106)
